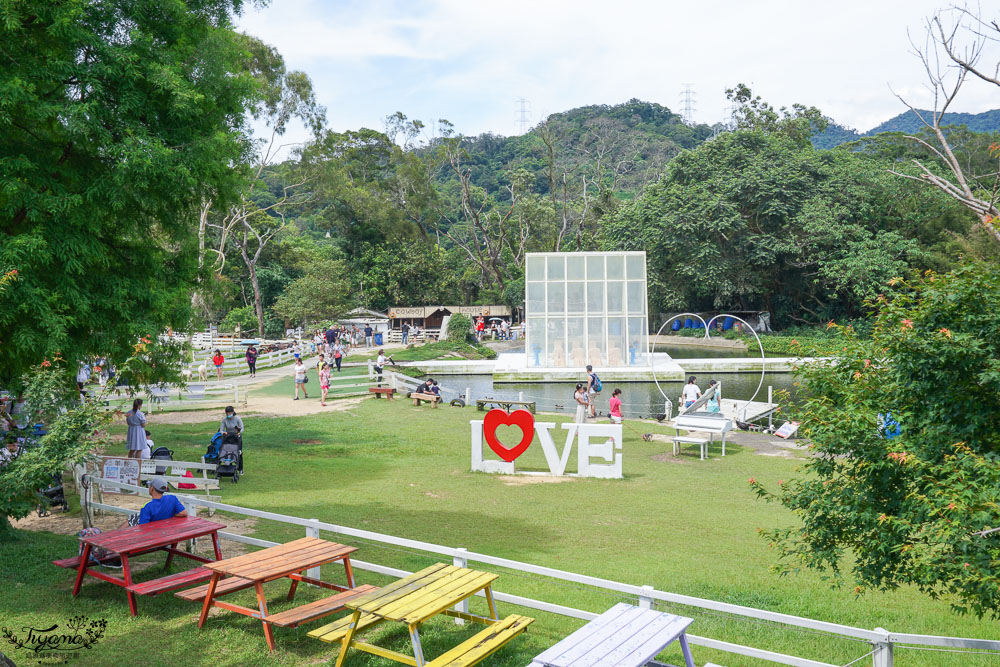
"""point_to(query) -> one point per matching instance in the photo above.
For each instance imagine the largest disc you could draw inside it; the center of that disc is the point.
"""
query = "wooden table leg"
(170, 556)
(295, 584)
(215, 545)
(349, 571)
(208, 598)
(491, 603)
(418, 651)
(262, 607)
(688, 660)
(346, 644)
(84, 559)
(127, 573)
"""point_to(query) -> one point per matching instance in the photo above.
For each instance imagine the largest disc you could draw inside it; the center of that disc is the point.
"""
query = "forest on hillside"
(751, 218)
(909, 122)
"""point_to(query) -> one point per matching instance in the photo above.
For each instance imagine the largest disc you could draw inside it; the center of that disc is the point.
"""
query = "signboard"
(787, 430)
(417, 312)
(598, 446)
(395, 313)
(123, 470)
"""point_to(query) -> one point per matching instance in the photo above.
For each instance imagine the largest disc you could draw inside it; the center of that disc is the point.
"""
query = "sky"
(470, 61)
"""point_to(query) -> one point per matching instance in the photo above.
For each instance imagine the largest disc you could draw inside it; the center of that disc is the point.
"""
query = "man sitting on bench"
(161, 506)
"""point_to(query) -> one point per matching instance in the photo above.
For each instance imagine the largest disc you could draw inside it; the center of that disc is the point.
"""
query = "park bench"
(433, 399)
(625, 636)
(388, 391)
(293, 618)
(482, 404)
(690, 440)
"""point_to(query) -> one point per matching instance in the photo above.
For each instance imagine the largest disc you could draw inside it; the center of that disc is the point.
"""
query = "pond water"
(698, 352)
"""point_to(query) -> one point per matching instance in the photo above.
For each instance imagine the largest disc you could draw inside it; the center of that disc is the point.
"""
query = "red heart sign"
(520, 418)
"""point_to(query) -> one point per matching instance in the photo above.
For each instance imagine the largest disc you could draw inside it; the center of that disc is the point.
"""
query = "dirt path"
(259, 407)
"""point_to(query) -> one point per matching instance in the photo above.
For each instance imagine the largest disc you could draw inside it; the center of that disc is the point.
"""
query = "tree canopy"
(119, 119)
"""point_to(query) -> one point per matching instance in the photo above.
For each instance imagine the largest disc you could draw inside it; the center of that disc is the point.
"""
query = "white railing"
(881, 641)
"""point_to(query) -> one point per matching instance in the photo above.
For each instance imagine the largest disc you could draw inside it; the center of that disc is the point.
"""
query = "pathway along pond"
(639, 399)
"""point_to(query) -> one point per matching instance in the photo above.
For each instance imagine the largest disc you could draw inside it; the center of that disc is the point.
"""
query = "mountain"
(908, 123)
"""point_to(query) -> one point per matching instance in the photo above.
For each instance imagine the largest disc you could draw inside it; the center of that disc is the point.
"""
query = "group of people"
(586, 397)
(498, 328)
(692, 392)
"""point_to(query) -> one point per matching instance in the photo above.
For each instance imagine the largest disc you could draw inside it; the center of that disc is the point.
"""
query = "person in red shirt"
(480, 327)
(218, 360)
(615, 405)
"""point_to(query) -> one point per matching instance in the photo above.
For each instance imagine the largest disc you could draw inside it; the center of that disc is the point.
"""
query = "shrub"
(460, 328)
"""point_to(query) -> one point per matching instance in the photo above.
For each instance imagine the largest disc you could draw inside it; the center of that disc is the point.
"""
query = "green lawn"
(689, 527)
(445, 349)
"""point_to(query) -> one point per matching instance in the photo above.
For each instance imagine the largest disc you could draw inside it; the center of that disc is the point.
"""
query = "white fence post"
(770, 402)
(461, 560)
(468, 396)
(520, 396)
(313, 531)
(646, 598)
(882, 657)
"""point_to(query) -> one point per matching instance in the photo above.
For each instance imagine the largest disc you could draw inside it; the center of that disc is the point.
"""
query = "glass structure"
(585, 308)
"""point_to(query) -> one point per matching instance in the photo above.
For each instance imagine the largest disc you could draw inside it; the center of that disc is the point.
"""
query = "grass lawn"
(445, 349)
(685, 526)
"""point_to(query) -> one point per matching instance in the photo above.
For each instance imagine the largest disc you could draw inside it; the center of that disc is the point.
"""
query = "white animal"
(186, 373)
(202, 373)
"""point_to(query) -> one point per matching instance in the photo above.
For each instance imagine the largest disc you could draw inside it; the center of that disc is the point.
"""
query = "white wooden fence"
(878, 643)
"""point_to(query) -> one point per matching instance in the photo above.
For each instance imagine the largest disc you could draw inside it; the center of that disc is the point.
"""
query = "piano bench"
(690, 440)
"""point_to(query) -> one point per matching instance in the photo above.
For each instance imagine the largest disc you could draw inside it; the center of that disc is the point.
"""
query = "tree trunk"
(258, 304)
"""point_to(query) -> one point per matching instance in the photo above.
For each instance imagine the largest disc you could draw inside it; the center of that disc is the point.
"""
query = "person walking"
(406, 332)
(593, 389)
(301, 377)
(713, 404)
(691, 392)
(231, 423)
(217, 361)
(296, 350)
(379, 367)
(368, 337)
(135, 439)
(330, 336)
(252, 360)
(324, 382)
(338, 353)
(615, 407)
(580, 396)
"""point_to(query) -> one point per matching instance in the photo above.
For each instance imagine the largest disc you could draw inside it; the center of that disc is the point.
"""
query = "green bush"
(460, 328)
(245, 317)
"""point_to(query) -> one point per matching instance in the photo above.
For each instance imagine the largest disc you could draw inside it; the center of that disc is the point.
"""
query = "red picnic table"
(154, 536)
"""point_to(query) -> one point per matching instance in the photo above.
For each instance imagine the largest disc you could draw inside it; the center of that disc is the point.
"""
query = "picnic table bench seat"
(483, 403)
(335, 632)
(171, 582)
(483, 644)
(229, 585)
(433, 399)
(74, 562)
(293, 618)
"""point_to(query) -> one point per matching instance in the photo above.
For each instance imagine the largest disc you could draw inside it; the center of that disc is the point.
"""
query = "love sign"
(598, 446)
(520, 418)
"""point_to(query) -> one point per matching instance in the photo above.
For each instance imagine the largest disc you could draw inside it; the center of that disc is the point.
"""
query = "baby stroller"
(212, 453)
(230, 457)
(52, 496)
(162, 454)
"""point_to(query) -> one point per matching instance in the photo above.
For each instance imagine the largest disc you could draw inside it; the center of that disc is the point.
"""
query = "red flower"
(753, 481)
(857, 375)
(946, 332)
(952, 506)
(907, 324)
(830, 324)
(46, 363)
(868, 362)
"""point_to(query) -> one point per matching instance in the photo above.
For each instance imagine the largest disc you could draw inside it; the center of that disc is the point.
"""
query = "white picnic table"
(623, 636)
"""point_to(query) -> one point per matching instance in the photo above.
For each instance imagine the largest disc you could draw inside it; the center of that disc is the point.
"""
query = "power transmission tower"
(687, 103)
(523, 115)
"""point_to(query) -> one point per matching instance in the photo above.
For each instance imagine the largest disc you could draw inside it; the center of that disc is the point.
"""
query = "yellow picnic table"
(417, 598)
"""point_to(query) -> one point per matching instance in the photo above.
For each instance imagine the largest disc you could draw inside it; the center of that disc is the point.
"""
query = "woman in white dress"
(135, 439)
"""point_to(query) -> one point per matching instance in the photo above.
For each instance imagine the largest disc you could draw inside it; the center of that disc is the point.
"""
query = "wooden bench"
(230, 585)
(74, 563)
(433, 399)
(481, 404)
(336, 631)
(624, 636)
(388, 391)
(690, 440)
(480, 646)
(170, 582)
(293, 618)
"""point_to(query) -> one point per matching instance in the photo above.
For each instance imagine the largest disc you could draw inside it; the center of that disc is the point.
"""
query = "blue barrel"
(378, 338)
(688, 324)
(676, 326)
(727, 324)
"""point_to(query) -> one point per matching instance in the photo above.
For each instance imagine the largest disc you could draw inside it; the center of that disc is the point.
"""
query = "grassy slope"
(686, 527)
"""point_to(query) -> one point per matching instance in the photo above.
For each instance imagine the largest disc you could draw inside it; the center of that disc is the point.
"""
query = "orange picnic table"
(137, 540)
(284, 561)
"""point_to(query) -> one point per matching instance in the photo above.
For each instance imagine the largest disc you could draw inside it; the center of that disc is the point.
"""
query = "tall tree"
(119, 118)
(953, 49)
